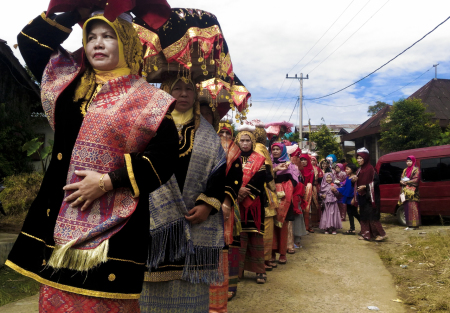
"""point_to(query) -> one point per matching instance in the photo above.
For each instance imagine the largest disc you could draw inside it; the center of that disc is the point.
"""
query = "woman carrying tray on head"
(87, 244)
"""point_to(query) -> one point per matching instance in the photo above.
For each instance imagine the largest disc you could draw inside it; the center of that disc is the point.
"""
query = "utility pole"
(300, 107)
(435, 71)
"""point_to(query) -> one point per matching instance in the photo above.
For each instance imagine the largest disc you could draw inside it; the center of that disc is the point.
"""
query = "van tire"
(401, 218)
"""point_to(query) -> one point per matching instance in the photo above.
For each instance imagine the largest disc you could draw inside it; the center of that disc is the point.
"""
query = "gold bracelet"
(101, 184)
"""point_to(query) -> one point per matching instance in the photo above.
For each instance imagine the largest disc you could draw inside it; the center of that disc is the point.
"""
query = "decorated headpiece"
(246, 130)
(362, 150)
(225, 125)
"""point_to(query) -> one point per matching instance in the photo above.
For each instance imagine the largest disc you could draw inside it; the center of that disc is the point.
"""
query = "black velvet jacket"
(121, 277)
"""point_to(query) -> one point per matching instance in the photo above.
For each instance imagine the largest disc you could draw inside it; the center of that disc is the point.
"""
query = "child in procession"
(331, 219)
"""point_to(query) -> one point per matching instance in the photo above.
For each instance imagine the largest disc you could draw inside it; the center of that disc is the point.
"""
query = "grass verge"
(424, 285)
(14, 286)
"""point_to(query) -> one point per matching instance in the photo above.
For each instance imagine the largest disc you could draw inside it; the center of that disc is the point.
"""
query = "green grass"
(425, 284)
(14, 286)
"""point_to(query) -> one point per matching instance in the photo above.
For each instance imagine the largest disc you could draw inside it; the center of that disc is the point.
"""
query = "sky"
(335, 42)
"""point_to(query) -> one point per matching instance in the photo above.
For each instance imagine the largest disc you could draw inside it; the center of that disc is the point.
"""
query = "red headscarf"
(410, 168)
(366, 173)
(319, 170)
(308, 170)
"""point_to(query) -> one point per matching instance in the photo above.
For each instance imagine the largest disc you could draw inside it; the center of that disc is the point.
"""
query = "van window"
(437, 169)
(390, 173)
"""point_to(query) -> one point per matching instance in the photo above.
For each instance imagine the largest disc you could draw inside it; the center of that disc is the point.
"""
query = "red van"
(434, 186)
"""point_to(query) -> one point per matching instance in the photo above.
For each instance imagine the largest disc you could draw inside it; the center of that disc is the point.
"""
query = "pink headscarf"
(410, 168)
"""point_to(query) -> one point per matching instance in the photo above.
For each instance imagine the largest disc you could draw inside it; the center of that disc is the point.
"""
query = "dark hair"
(352, 167)
(343, 161)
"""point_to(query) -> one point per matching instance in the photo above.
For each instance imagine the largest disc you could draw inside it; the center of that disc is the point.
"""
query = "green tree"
(326, 142)
(374, 109)
(444, 138)
(408, 126)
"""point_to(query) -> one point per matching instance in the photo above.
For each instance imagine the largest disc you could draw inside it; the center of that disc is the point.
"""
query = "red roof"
(420, 153)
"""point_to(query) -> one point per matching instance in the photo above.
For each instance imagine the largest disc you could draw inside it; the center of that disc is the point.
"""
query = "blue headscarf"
(333, 157)
(284, 155)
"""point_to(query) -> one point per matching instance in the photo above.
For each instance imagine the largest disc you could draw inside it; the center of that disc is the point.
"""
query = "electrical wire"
(382, 97)
(293, 110)
(335, 36)
(322, 36)
(348, 38)
(384, 63)
(268, 112)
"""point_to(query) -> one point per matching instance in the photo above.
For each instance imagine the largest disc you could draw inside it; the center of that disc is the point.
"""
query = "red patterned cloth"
(371, 229)
(280, 239)
(288, 189)
(218, 295)
(412, 213)
(53, 300)
(252, 253)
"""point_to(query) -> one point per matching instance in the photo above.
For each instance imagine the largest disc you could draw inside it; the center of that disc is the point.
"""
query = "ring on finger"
(80, 198)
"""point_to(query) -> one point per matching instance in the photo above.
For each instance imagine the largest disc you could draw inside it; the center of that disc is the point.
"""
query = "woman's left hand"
(87, 190)
(199, 213)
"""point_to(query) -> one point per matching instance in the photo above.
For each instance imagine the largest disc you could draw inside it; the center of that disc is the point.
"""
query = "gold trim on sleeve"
(55, 24)
(144, 157)
(80, 291)
(231, 196)
(38, 239)
(211, 201)
(41, 44)
(131, 175)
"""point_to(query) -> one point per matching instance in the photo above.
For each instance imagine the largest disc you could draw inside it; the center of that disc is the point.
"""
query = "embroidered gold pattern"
(191, 144)
(37, 239)
(211, 201)
(80, 291)
(144, 157)
(131, 175)
(41, 44)
(114, 259)
(162, 276)
(55, 24)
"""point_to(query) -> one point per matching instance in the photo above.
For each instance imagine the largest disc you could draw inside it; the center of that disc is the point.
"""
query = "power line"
(293, 110)
(349, 37)
(268, 113)
(384, 63)
(335, 36)
(382, 97)
(321, 36)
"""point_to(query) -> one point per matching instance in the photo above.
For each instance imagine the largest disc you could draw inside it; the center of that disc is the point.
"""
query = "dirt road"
(329, 274)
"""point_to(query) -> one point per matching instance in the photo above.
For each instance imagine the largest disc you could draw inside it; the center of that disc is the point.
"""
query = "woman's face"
(348, 170)
(313, 162)
(102, 46)
(360, 160)
(329, 179)
(304, 162)
(224, 133)
(296, 161)
(324, 165)
(409, 163)
(337, 169)
(185, 95)
(276, 151)
(245, 143)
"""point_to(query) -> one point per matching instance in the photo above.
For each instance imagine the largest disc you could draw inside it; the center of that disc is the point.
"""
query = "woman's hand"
(403, 183)
(281, 167)
(361, 188)
(324, 196)
(333, 189)
(199, 213)
(226, 208)
(354, 179)
(243, 193)
(88, 189)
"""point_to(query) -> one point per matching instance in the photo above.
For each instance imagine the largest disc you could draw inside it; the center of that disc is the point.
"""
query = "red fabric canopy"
(154, 12)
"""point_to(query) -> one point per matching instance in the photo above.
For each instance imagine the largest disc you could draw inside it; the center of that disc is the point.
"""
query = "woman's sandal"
(310, 230)
(231, 295)
(290, 251)
(350, 232)
(380, 238)
(260, 279)
(361, 238)
(268, 267)
(282, 260)
(273, 263)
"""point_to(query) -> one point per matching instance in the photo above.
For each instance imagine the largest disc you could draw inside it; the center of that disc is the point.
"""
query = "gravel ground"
(328, 274)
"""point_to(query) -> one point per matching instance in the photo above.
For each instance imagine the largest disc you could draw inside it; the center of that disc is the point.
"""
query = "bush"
(20, 192)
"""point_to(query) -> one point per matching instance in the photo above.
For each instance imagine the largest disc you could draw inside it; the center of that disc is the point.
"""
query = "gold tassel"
(76, 259)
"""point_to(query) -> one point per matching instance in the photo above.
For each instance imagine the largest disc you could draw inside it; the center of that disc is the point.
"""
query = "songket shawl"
(200, 244)
(122, 119)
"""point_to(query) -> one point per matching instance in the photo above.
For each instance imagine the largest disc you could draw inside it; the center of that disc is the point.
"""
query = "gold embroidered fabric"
(35, 40)
(211, 201)
(38, 239)
(55, 24)
(144, 157)
(162, 276)
(131, 175)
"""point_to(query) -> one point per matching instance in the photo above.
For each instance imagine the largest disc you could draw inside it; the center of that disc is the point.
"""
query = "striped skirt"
(233, 262)
(412, 213)
(252, 253)
(268, 237)
(176, 296)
